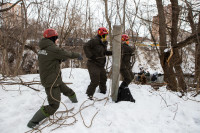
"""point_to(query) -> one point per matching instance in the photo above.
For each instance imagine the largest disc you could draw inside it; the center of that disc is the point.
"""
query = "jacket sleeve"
(61, 54)
(88, 49)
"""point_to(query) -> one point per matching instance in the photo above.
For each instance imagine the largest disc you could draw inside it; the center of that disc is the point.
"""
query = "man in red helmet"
(96, 51)
(50, 56)
(126, 70)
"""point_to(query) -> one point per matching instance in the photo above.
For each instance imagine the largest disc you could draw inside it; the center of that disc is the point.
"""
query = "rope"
(61, 121)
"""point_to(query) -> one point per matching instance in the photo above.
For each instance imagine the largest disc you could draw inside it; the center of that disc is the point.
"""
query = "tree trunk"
(197, 58)
(117, 31)
(108, 21)
(169, 76)
(23, 37)
(5, 67)
(174, 35)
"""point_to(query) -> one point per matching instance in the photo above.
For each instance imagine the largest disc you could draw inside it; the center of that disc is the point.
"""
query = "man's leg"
(68, 92)
(127, 76)
(94, 73)
(45, 111)
(53, 97)
(102, 83)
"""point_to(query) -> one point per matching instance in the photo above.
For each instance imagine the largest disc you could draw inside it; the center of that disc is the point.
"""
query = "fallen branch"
(27, 84)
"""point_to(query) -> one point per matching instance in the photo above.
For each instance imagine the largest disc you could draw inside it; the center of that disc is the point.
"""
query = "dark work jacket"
(95, 50)
(50, 57)
(127, 52)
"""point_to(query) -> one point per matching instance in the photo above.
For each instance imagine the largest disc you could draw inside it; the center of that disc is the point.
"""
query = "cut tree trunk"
(116, 57)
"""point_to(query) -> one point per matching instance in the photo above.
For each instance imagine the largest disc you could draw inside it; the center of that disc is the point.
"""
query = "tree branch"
(6, 9)
(191, 39)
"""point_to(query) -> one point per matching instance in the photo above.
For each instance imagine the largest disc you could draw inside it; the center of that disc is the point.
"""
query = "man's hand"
(108, 53)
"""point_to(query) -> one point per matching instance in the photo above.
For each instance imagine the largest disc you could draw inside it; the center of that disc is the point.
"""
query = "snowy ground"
(154, 111)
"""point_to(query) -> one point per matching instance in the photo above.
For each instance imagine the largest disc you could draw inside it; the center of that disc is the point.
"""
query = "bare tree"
(108, 20)
(169, 75)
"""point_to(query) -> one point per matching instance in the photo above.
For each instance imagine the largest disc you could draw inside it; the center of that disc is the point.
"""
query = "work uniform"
(50, 56)
(126, 68)
(96, 51)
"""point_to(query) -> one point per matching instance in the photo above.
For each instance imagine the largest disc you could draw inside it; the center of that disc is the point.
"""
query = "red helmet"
(125, 37)
(102, 31)
(49, 33)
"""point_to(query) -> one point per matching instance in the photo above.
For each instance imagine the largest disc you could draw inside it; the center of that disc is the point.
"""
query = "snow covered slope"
(154, 111)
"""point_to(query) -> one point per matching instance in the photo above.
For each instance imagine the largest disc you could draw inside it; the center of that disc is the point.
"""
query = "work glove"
(80, 57)
(108, 53)
(105, 42)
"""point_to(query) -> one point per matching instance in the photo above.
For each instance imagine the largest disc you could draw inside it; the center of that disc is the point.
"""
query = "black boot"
(39, 116)
(123, 85)
(124, 93)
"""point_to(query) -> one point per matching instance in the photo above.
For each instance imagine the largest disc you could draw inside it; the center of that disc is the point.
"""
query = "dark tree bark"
(169, 76)
(174, 34)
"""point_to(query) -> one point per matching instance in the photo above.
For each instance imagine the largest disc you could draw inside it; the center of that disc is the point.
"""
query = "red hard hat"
(125, 37)
(102, 31)
(50, 33)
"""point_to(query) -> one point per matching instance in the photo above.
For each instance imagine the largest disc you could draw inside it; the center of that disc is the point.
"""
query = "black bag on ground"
(124, 94)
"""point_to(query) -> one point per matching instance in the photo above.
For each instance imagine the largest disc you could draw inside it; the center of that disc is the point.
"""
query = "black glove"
(105, 43)
(80, 57)
(108, 53)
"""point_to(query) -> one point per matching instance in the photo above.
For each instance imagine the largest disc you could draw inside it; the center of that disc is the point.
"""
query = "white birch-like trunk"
(116, 58)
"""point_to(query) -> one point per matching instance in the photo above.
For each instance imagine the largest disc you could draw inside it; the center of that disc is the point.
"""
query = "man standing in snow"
(50, 56)
(126, 71)
(96, 51)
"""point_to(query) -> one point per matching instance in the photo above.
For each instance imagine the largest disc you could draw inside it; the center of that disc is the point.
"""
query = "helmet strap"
(103, 38)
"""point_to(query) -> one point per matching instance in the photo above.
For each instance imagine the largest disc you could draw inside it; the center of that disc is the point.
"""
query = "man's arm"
(61, 54)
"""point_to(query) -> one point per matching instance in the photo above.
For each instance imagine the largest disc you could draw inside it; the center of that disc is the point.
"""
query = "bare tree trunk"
(122, 21)
(117, 30)
(174, 35)
(124, 16)
(86, 18)
(108, 21)
(23, 37)
(197, 58)
(195, 30)
(5, 67)
(63, 25)
(169, 76)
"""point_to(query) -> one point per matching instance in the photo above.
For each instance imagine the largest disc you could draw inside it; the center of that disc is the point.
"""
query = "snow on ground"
(154, 111)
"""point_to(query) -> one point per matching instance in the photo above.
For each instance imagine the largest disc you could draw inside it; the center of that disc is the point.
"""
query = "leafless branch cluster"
(174, 24)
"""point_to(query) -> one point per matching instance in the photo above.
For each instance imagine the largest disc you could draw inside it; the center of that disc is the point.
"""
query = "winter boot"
(124, 93)
(73, 98)
(39, 116)
(90, 97)
(123, 85)
(102, 92)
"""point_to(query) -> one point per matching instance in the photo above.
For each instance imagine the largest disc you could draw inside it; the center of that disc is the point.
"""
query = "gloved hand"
(108, 53)
(80, 57)
(105, 42)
